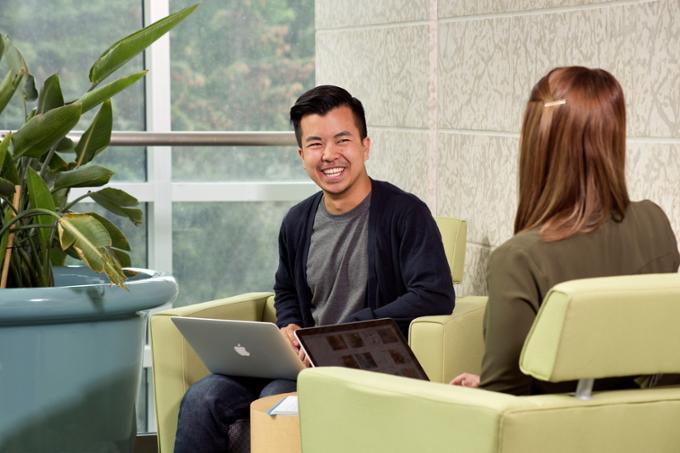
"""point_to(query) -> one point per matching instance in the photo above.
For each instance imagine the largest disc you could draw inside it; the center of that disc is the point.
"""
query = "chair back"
(606, 327)
(269, 311)
(454, 237)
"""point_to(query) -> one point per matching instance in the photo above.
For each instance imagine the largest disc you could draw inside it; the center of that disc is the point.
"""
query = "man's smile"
(332, 171)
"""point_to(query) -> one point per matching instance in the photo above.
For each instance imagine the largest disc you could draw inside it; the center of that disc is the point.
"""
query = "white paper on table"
(287, 406)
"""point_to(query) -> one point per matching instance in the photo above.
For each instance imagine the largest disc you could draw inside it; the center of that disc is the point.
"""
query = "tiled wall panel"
(400, 157)
(445, 82)
(487, 67)
(474, 277)
(477, 182)
(456, 8)
(352, 13)
(375, 65)
(653, 172)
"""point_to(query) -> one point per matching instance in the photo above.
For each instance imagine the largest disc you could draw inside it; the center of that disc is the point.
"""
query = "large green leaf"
(7, 187)
(57, 163)
(65, 145)
(97, 137)
(118, 202)
(91, 241)
(90, 176)
(8, 87)
(8, 169)
(118, 239)
(45, 130)
(4, 148)
(29, 91)
(50, 95)
(60, 197)
(2, 46)
(128, 47)
(57, 256)
(120, 246)
(14, 58)
(39, 196)
(93, 98)
(17, 71)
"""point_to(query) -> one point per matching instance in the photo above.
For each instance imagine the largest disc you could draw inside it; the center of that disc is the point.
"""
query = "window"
(236, 66)
(213, 213)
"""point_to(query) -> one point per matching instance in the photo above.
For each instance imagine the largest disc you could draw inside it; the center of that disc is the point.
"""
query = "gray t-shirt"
(337, 263)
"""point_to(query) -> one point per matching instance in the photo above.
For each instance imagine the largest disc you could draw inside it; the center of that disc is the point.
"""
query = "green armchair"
(439, 342)
(586, 330)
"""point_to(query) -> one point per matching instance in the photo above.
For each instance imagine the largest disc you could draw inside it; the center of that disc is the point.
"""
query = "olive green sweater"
(522, 270)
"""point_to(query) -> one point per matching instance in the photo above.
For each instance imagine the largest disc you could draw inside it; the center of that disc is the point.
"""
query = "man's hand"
(466, 380)
(288, 333)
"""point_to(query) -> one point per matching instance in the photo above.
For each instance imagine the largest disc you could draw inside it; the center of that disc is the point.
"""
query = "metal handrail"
(190, 138)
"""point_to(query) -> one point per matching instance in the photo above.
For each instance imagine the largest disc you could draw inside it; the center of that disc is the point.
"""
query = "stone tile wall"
(444, 84)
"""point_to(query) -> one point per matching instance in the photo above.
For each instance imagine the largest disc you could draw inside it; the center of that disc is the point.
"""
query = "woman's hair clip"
(554, 103)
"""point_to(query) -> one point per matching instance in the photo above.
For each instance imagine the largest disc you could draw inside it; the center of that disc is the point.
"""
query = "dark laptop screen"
(375, 345)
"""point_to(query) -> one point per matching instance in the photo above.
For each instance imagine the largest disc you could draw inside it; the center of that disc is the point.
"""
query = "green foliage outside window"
(240, 68)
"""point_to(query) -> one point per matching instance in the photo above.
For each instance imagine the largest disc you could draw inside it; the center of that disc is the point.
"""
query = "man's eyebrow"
(343, 134)
(312, 138)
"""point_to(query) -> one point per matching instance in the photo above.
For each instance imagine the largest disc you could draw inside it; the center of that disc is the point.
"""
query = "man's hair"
(323, 99)
(572, 154)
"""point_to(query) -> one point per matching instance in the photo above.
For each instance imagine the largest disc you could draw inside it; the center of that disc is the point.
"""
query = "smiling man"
(359, 249)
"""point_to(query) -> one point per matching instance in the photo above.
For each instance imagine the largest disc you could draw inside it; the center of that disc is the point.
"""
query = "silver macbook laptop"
(240, 348)
(375, 345)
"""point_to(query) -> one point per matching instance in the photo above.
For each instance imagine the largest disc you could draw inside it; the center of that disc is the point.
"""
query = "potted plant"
(70, 337)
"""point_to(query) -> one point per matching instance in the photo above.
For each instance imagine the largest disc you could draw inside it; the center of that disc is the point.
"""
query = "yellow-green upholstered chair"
(176, 366)
(586, 329)
(448, 345)
(437, 340)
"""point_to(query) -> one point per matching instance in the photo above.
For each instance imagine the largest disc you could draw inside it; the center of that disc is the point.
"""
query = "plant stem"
(45, 164)
(29, 213)
(9, 203)
(30, 226)
(68, 206)
(47, 256)
(34, 258)
(26, 262)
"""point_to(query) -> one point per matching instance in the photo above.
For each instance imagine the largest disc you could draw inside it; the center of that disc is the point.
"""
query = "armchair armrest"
(175, 364)
(345, 410)
(449, 345)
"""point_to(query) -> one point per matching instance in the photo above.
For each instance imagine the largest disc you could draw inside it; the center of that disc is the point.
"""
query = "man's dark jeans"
(213, 404)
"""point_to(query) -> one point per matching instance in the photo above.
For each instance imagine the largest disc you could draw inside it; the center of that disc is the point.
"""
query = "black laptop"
(375, 345)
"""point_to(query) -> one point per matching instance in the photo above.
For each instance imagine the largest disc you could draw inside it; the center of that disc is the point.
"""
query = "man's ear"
(300, 152)
(366, 142)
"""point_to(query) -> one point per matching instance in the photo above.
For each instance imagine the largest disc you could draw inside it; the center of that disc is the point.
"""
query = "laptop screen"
(375, 345)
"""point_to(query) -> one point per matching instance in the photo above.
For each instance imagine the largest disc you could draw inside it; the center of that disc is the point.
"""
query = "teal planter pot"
(70, 361)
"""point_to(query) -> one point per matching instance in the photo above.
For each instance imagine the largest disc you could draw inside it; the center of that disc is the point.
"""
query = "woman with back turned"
(574, 219)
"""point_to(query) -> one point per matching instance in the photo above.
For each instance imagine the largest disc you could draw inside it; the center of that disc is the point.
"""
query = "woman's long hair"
(572, 154)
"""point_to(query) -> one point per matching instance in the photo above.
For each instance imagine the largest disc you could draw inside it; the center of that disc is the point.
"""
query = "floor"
(146, 443)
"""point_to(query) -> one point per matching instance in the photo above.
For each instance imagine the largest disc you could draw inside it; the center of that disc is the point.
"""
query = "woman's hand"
(466, 380)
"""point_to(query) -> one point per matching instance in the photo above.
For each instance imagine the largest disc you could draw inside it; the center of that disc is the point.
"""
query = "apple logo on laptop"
(241, 350)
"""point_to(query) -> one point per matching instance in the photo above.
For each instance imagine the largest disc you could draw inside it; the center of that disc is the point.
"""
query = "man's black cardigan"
(408, 275)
